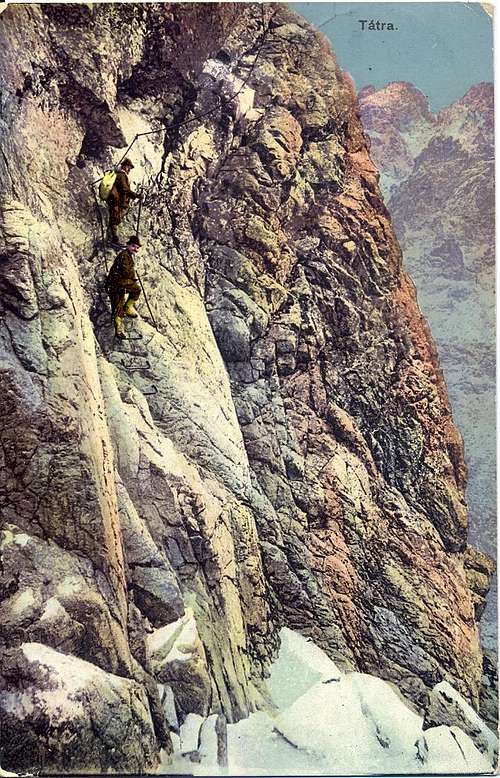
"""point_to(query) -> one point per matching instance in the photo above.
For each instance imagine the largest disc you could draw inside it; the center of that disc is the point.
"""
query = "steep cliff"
(442, 203)
(278, 451)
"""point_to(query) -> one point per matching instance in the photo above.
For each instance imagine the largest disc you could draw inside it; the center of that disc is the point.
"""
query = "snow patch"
(208, 739)
(72, 584)
(190, 732)
(176, 641)
(162, 639)
(21, 539)
(168, 704)
(69, 671)
(256, 748)
(450, 750)
(244, 99)
(299, 666)
(446, 691)
(327, 723)
(330, 721)
(53, 610)
(417, 137)
(13, 703)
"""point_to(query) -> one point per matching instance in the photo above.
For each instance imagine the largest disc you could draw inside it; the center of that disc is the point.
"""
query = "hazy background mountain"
(437, 179)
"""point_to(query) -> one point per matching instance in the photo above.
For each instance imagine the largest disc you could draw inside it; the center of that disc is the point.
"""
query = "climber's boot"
(119, 333)
(113, 240)
(130, 310)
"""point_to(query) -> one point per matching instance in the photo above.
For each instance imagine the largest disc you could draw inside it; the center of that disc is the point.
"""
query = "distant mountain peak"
(438, 180)
(478, 98)
(401, 98)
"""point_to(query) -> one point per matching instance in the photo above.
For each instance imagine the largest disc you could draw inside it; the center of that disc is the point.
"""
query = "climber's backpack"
(107, 183)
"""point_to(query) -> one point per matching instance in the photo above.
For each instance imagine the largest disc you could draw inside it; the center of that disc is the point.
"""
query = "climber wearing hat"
(122, 285)
(119, 199)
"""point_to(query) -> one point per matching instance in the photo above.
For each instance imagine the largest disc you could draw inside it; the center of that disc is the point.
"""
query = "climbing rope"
(195, 118)
(137, 232)
(101, 223)
(139, 211)
(146, 299)
(215, 107)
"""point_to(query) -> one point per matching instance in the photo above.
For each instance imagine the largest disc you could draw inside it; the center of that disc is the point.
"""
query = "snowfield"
(328, 723)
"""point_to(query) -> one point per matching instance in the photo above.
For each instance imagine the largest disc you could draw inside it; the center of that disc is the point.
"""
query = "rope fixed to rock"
(137, 232)
(101, 224)
(197, 117)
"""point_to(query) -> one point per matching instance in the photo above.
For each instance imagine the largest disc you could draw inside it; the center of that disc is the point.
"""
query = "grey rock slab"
(96, 719)
(446, 706)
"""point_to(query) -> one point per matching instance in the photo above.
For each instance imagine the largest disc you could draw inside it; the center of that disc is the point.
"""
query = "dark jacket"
(121, 193)
(122, 273)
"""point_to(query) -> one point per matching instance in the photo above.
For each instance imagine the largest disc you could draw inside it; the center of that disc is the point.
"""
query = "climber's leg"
(134, 291)
(115, 217)
(119, 333)
(117, 297)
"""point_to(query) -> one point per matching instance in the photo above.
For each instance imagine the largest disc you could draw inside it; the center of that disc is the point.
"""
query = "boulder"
(71, 712)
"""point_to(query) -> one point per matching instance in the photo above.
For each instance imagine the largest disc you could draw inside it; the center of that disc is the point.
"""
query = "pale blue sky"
(441, 48)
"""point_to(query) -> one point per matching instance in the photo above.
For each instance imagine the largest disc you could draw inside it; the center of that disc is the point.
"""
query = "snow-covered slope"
(332, 723)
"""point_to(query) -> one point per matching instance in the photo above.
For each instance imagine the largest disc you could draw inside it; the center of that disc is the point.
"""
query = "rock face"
(278, 451)
(441, 199)
(62, 735)
(437, 176)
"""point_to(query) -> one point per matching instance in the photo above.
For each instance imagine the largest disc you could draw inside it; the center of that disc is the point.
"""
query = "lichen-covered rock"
(439, 184)
(60, 599)
(488, 700)
(279, 448)
(437, 179)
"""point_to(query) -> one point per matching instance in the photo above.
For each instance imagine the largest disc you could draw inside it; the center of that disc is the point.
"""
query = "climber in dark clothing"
(119, 199)
(122, 285)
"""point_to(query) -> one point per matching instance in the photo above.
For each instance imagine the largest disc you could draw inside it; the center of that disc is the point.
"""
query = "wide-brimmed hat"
(134, 241)
(128, 163)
